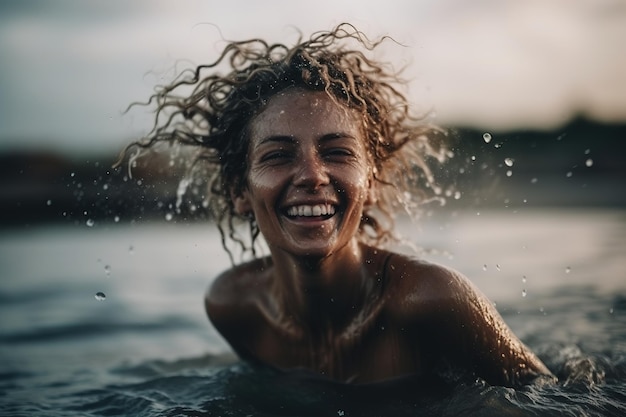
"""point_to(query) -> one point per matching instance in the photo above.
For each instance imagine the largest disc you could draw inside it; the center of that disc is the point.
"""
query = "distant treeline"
(581, 164)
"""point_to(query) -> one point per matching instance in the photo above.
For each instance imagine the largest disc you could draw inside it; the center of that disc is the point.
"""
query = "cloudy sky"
(68, 68)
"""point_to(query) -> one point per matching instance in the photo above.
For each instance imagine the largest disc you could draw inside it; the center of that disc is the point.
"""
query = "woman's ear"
(241, 202)
(372, 191)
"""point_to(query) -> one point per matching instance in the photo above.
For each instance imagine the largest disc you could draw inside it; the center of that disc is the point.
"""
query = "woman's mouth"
(315, 210)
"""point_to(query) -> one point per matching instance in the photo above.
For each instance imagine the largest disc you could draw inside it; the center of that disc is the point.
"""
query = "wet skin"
(326, 303)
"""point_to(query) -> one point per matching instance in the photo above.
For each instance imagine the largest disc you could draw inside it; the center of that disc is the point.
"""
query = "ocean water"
(107, 320)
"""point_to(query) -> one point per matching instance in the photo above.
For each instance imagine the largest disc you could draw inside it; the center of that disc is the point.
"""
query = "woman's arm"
(466, 329)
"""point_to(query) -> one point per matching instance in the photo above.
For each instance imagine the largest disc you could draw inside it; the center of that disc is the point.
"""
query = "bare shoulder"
(233, 280)
(462, 324)
(234, 291)
(419, 286)
(234, 301)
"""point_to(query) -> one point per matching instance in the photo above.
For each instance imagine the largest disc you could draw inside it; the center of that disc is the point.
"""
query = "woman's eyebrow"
(277, 139)
(337, 135)
(286, 139)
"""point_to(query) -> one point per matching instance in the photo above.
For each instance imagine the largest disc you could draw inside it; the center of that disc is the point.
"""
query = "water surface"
(146, 349)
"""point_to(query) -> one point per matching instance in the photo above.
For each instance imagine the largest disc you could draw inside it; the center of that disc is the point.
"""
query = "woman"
(315, 148)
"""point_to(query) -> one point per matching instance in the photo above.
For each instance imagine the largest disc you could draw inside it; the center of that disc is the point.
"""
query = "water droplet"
(534, 181)
(90, 222)
(49, 203)
(116, 219)
(100, 296)
(524, 293)
(131, 249)
(340, 412)
(568, 270)
(509, 161)
(587, 151)
(107, 270)
(473, 158)
(169, 216)
(484, 267)
(487, 137)
(611, 311)
(589, 162)
(569, 174)
(524, 279)
(509, 173)
(498, 267)
(105, 187)
(457, 195)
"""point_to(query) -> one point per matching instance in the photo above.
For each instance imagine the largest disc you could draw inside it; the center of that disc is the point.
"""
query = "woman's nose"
(311, 172)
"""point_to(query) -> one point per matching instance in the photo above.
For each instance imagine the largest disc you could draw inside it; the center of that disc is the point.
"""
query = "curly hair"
(215, 114)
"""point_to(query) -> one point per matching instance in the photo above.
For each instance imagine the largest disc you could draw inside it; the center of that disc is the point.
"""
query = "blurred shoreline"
(579, 165)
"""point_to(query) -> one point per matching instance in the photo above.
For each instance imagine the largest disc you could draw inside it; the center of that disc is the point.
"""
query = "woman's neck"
(324, 295)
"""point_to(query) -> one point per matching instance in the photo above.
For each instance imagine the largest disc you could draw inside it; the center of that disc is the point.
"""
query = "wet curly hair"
(211, 111)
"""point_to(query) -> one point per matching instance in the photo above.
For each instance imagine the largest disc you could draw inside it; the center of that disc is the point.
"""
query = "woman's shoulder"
(236, 286)
(232, 303)
(418, 286)
(414, 272)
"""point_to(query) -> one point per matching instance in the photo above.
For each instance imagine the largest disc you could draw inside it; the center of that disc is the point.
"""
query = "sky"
(69, 68)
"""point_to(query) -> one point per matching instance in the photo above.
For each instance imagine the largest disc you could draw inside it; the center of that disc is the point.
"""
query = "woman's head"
(309, 177)
(216, 117)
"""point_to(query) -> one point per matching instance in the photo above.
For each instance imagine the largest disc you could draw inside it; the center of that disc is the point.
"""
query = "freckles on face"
(308, 176)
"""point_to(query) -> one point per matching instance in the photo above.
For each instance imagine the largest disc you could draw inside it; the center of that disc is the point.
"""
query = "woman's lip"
(311, 221)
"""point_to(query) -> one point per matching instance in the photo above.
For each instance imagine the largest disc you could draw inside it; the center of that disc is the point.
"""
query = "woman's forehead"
(300, 110)
(303, 99)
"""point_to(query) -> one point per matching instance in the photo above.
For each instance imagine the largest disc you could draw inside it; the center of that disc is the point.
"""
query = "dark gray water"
(145, 347)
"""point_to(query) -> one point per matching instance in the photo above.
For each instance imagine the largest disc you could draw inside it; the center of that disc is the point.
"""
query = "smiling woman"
(315, 148)
(215, 119)
(307, 183)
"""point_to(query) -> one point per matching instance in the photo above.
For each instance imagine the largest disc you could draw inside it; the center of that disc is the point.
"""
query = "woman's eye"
(339, 153)
(275, 156)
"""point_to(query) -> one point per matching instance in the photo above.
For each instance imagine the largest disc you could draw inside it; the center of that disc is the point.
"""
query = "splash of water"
(180, 192)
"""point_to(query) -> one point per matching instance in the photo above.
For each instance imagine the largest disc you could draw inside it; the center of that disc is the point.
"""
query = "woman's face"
(308, 177)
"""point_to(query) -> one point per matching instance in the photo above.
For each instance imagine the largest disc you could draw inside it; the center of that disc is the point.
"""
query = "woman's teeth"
(311, 211)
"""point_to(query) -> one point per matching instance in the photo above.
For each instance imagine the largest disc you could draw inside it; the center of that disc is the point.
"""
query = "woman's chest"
(378, 353)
